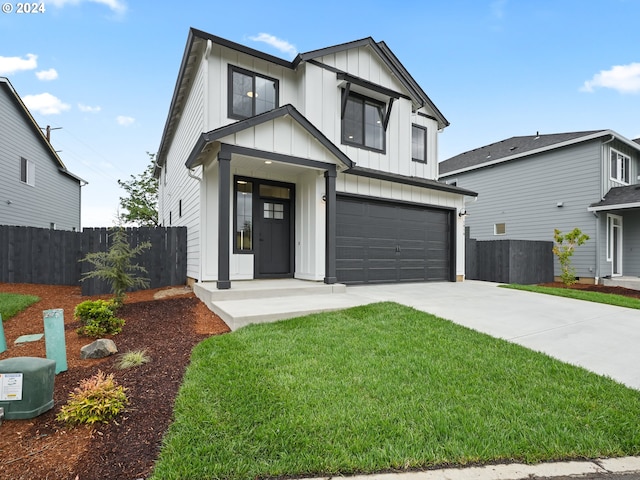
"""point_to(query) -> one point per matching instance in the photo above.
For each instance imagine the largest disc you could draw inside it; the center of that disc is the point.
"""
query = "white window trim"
(495, 228)
(621, 160)
(31, 172)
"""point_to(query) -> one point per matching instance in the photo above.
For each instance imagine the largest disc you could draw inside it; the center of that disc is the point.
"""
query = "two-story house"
(36, 189)
(528, 186)
(322, 168)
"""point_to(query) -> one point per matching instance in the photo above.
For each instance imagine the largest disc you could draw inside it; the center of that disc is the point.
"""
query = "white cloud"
(89, 109)
(11, 65)
(282, 45)
(623, 78)
(47, 75)
(45, 103)
(117, 6)
(124, 120)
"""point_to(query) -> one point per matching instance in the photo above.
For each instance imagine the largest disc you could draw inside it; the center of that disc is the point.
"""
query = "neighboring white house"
(530, 185)
(323, 168)
(36, 189)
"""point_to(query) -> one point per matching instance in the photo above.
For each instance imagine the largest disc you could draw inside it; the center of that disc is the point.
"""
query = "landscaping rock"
(101, 348)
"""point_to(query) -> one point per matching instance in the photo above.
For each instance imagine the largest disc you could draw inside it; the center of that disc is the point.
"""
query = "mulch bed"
(627, 292)
(167, 323)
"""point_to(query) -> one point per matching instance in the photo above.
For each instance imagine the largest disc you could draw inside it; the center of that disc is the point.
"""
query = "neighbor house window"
(619, 167)
(362, 123)
(27, 171)
(244, 216)
(500, 229)
(250, 94)
(418, 143)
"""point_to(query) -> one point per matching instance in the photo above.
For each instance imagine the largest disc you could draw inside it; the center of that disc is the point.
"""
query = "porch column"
(330, 205)
(224, 209)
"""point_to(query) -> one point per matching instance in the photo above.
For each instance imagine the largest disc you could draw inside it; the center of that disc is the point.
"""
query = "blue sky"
(104, 70)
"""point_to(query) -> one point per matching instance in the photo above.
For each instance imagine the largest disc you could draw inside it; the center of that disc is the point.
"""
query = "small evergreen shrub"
(98, 318)
(98, 399)
(134, 358)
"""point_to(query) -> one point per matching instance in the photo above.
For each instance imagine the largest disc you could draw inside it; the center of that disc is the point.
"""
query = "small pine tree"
(564, 252)
(116, 268)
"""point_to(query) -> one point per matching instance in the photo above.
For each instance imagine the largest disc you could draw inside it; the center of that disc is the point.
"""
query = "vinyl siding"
(179, 185)
(524, 194)
(53, 198)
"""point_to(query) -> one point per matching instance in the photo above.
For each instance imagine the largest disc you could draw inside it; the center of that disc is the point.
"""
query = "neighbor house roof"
(197, 43)
(618, 198)
(514, 147)
(5, 85)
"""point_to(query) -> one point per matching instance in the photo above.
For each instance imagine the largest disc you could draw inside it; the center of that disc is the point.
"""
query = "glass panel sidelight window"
(244, 217)
(250, 94)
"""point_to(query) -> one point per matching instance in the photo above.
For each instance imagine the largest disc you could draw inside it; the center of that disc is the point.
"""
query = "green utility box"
(26, 386)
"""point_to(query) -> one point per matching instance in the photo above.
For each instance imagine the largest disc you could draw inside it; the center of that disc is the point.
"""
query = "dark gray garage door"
(382, 242)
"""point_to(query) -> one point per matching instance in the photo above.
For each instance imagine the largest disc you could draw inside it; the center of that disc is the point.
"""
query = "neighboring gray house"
(322, 168)
(36, 189)
(528, 186)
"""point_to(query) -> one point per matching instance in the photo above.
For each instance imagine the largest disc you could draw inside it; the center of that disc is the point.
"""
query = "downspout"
(602, 194)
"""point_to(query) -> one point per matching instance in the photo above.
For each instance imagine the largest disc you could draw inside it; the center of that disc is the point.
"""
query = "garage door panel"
(381, 241)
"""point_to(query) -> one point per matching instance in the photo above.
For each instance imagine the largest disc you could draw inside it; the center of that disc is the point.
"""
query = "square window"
(250, 94)
(363, 123)
(500, 229)
(418, 143)
(619, 167)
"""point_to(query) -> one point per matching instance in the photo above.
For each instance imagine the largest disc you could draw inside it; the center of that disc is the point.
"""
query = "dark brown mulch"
(167, 328)
(627, 292)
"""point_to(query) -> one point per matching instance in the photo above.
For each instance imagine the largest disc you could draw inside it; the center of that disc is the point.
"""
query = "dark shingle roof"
(506, 148)
(617, 197)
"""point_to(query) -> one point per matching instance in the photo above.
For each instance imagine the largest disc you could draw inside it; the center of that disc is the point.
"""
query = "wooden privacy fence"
(53, 257)
(509, 261)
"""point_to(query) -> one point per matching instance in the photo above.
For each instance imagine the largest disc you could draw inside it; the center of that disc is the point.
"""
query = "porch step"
(250, 289)
(627, 282)
(239, 313)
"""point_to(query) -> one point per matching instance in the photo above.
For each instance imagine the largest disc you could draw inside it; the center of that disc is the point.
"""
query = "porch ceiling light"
(268, 162)
(252, 94)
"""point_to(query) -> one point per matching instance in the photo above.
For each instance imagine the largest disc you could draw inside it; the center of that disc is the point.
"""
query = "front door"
(274, 249)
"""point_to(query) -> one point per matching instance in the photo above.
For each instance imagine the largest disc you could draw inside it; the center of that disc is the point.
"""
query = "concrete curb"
(514, 471)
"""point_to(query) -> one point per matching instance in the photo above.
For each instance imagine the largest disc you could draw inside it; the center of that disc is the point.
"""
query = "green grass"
(13, 303)
(598, 297)
(383, 387)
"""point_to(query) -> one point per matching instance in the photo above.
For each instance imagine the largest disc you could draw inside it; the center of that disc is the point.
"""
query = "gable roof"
(197, 39)
(5, 85)
(618, 198)
(286, 110)
(519, 147)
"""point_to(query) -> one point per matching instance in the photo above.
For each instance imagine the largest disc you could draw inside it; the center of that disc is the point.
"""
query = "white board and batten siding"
(322, 103)
(176, 186)
(52, 198)
(524, 196)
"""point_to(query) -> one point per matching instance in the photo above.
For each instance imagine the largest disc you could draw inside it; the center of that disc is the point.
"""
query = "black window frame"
(425, 131)
(366, 100)
(249, 73)
(247, 180)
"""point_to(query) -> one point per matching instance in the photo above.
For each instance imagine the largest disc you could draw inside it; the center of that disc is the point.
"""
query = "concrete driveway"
(600, 338)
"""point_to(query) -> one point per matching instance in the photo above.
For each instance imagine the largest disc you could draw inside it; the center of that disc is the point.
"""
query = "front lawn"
(597, 297)
(384, 387)
(13, 303)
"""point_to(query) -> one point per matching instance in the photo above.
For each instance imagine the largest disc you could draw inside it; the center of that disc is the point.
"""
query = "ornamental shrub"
(98, 399)
(564, 248)
(97, 318)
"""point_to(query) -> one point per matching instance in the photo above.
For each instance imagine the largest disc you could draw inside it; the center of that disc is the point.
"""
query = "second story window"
(619, 167)
(250, 94)
(362, 123)
(418, 143)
